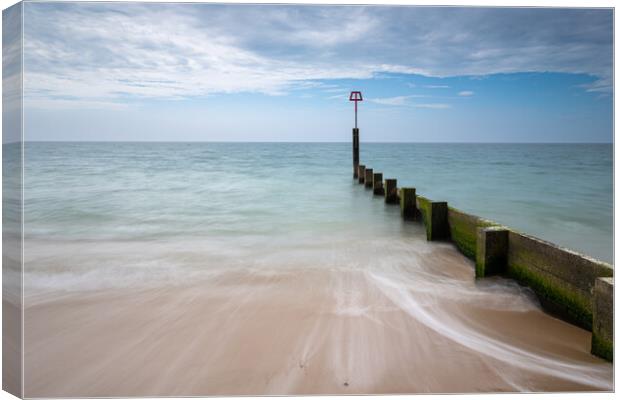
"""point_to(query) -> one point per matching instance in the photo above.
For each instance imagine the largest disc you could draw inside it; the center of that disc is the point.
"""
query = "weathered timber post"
(407, 203)
(603, 319)
(435, 215)
(361, 173)
(356, 96)
(391, 191)
(356, 151)
(491, 250)
(439, 221)
(377, 184)
(368, 177)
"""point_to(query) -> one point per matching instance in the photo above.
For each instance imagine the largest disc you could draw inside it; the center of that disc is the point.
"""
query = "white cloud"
(466, 93)
(399, 69)
(437, 106)
(143, 55)
(603, 85)
(74, 104)
(391, 101)
(404, 101)
(107, 53)
(332, 89)
(437, 86)
(341, 96)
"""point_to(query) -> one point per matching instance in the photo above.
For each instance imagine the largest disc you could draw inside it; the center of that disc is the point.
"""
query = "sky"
(206, 72)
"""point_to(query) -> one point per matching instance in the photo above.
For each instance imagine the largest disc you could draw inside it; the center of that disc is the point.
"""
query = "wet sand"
(422, 325)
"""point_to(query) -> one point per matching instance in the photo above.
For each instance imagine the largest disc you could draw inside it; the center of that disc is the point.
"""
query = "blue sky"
(194, 72)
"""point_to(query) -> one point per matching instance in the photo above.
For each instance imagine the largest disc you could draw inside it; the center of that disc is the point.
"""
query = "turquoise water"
(252, 191)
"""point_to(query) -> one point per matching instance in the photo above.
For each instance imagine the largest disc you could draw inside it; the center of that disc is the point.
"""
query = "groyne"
(569, 285)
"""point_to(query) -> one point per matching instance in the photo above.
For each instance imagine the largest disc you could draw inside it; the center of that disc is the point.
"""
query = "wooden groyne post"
(355, 97)
(368, 177)
(603, 319)
(377, 184)
(361, 173)
(435, 217)
(408, 208)
(491, 250)
(356, 151)
(391, 191)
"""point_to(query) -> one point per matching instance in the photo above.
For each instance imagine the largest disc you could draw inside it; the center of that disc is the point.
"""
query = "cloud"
(11, 74)
(437, 106)
(121, 52)
(96, 53)
(437, 86)
(466, 93)
(403, 101)
(341, 96)
(603, 85)
(391, 101)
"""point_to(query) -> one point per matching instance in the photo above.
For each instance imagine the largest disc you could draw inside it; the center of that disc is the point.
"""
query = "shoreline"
(310, 331)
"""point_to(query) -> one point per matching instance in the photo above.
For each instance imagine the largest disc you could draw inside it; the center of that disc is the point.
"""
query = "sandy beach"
(426, 327)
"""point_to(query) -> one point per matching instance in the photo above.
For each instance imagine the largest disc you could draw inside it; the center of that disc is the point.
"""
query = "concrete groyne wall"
(563, 280)
(572, 286)
(464, 230)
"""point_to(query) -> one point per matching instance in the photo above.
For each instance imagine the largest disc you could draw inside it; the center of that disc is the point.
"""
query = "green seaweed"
(571, 305)
(602, 347)
(464, 233)
(462, 237)
(424, 206)
(480, 273)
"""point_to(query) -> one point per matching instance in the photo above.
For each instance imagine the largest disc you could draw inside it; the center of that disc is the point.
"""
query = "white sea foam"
(456, 329)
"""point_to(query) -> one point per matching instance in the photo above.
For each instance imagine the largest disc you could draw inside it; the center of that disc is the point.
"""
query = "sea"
(150, 207)
(562, 193)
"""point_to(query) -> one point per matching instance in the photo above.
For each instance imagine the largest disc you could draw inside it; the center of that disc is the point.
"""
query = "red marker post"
(356, 96)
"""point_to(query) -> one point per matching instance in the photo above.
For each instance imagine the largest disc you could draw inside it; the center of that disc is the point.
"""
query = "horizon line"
(287, 141)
